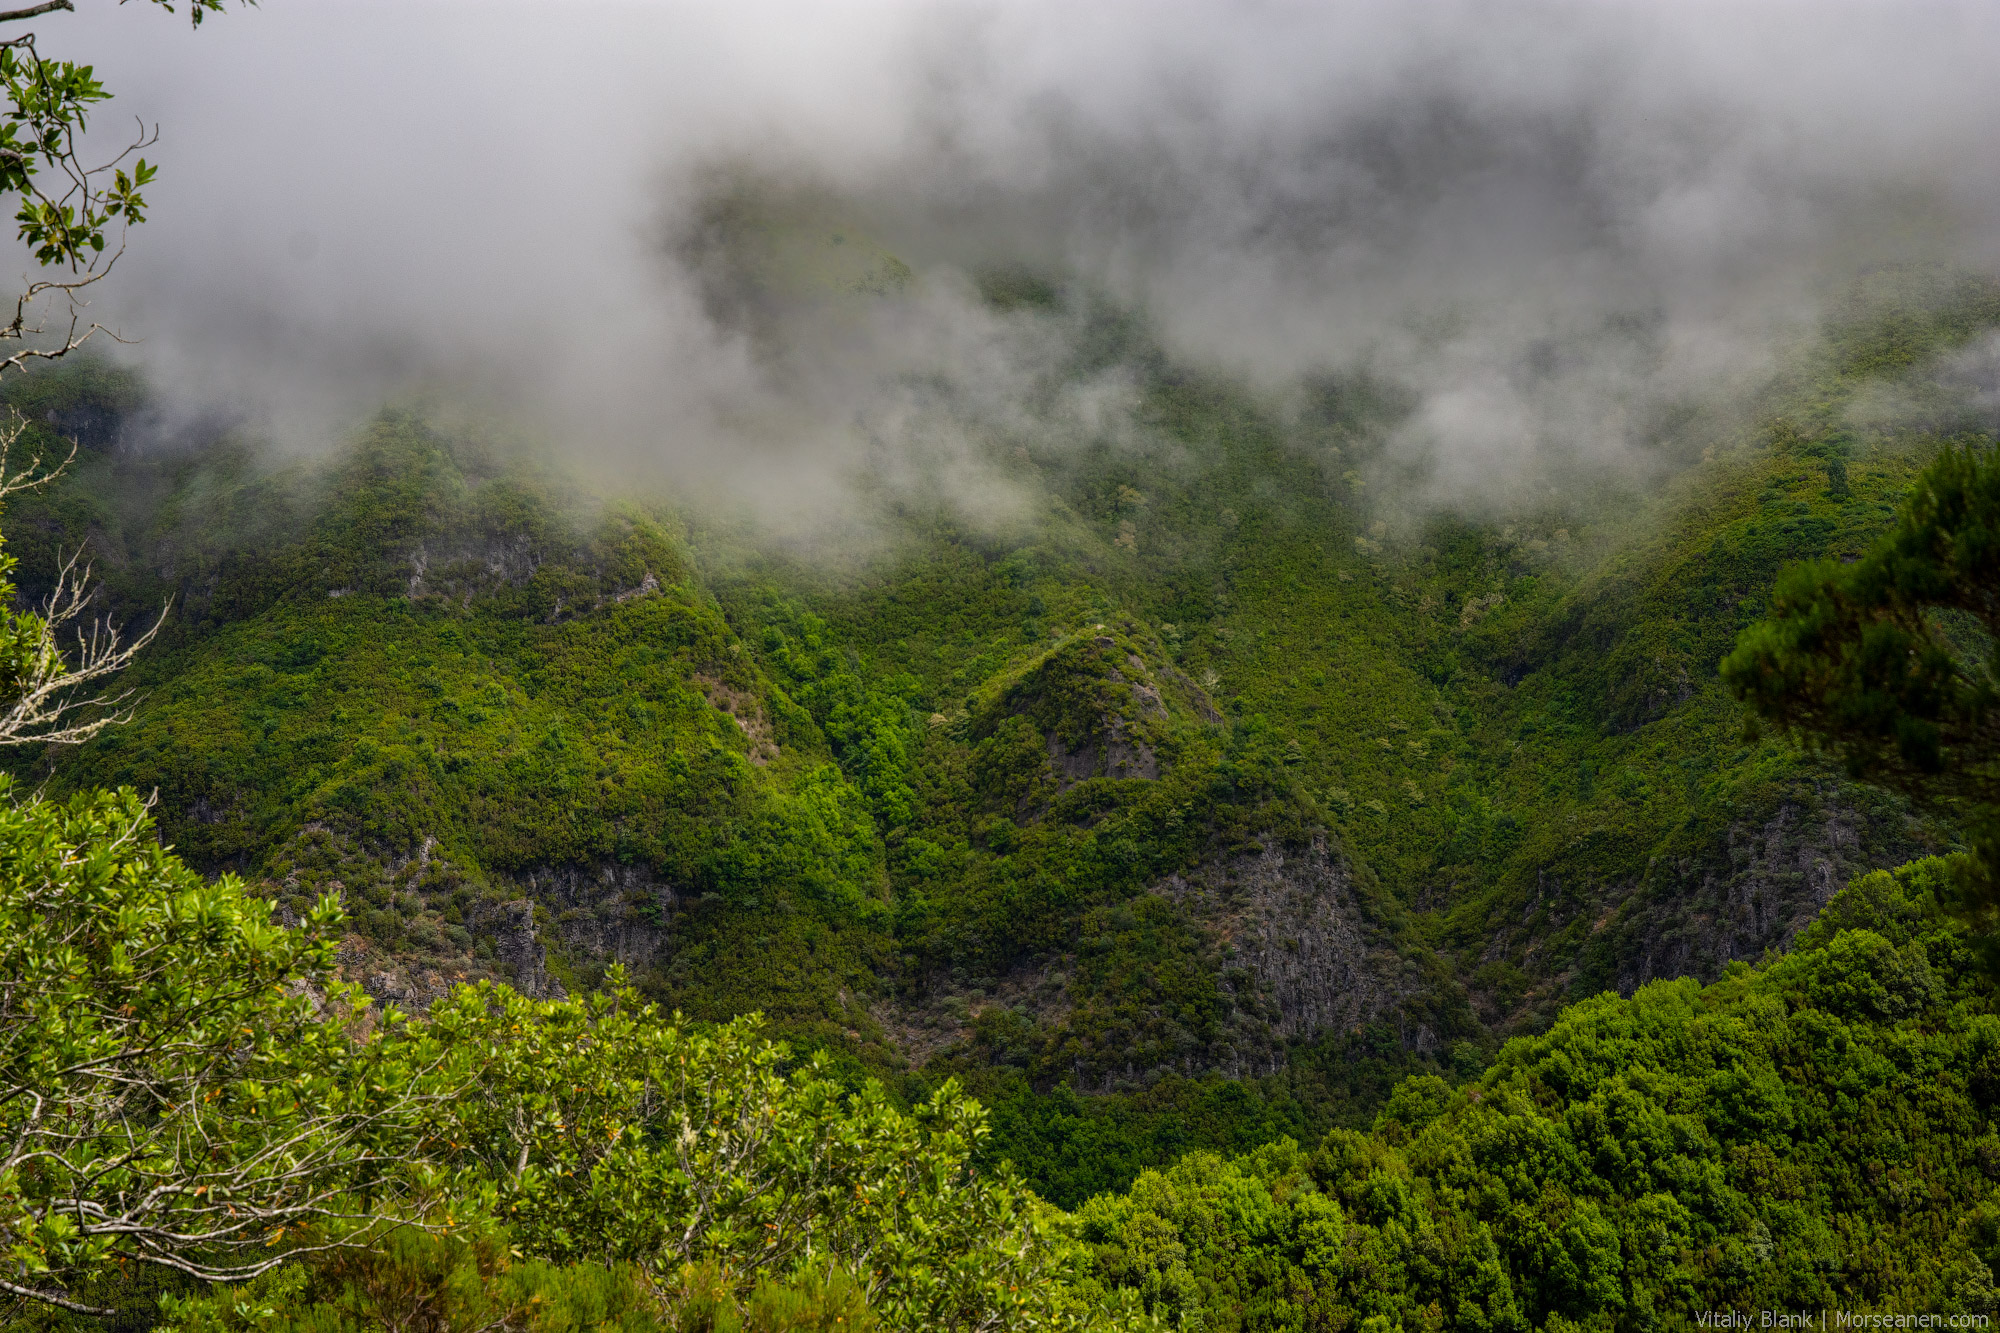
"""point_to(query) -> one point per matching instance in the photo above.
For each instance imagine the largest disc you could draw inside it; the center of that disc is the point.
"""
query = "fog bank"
(737, 247)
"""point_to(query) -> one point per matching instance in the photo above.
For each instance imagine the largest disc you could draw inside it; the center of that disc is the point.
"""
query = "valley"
(1199, 804)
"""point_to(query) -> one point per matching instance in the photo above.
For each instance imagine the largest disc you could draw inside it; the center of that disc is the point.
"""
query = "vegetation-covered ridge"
(1813, 1134)
(245, 1144)
(1192, 814)
(1231, 892)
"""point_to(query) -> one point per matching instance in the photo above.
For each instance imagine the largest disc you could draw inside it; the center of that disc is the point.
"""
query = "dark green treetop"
(1889, 661)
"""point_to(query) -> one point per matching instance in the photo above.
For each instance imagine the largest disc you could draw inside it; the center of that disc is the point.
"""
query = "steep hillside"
(1192, 813)
(1812, 1135)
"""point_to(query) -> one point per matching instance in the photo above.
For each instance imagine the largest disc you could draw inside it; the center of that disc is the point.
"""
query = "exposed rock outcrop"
(1769, 879)
(408, 983)
(445, 928)
(460, 571)
(520, 950)
(413, 979)
(1295, 952)
(608, 913)
(1734, 893)
(1291, 919)
(921, 1027)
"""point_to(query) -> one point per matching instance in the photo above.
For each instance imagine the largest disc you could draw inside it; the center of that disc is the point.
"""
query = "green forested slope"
(1051, 805)
(1813, 1135)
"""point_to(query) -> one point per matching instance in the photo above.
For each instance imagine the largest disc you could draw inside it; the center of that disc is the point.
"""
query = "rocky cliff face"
(605, 914)
(595, 917)
(1285, 933)
(1737, 892)
(463, 571)
(454, 928)
(411, 978)
(1764, 884)
(1290, 923)
(520, 950)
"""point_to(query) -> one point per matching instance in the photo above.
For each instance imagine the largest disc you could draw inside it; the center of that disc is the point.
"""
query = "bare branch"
(53, 1298)
(50, 701)
(33, 11)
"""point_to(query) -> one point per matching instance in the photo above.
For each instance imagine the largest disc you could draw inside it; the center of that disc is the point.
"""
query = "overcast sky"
(361, 194)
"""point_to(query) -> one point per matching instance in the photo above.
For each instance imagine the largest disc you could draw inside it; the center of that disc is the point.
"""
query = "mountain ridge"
(989, 789)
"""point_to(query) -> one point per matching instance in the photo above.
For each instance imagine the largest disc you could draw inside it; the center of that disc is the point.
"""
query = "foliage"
(185, 1086)
(941, 802)
(429, 675)
(65, 226)
(1798, 1135)
(1812, 1134)
(432, 1284)
(947, 801)
(617, 1136)
(169, 1093)
(425, 1283)
(1889, 660)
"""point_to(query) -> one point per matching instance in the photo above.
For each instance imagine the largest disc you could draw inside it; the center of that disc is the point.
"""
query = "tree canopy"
(186, 1084)
(1812, 1134)
(172, 1091)
(1889, 661)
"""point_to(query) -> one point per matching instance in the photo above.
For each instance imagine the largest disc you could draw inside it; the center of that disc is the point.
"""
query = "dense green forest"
(1812, 1134)
(1354, 914)
(1061, 809)
(1167, 853)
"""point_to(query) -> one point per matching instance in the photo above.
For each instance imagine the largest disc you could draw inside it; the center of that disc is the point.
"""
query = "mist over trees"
(1151, 668)
(1889, 660)
(1552, 232)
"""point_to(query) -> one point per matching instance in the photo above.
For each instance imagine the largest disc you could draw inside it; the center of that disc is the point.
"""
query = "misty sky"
(1540, 217)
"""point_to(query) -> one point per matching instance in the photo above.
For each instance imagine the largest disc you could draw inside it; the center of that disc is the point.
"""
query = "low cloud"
(1546, 224)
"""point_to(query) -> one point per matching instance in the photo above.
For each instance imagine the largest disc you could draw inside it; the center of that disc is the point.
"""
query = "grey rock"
(1767, 882)
(517, 947)
(606, 913)
(1290, 918)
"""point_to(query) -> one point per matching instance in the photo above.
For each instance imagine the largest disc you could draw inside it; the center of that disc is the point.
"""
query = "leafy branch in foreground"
(74, 212)
(172, 1091)
(683, 1174)
(616, 1135)
(74, 215)
(184, 1084)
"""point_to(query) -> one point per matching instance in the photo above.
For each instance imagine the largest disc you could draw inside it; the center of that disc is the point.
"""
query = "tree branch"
(30, 1293)
(32, 11)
